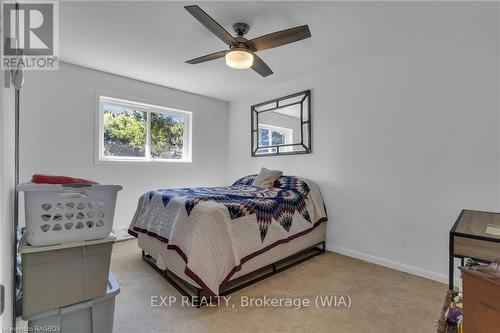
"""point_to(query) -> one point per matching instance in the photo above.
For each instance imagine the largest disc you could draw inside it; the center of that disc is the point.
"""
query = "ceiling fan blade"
(260, 66)
(208, 57)
(211, 24)
(279, 38)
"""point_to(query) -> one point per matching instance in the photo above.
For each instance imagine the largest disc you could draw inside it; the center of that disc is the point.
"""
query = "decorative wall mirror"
(282, 126)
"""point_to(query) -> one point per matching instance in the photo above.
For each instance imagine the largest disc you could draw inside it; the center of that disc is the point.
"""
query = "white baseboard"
(391, 264)
(122, 234)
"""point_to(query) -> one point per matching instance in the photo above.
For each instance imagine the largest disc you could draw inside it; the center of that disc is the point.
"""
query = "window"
(272, 136)
(131, 131)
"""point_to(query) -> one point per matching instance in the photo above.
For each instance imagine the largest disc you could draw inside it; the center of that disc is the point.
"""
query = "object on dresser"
(469, 262)
(492, 269)
(481, 291)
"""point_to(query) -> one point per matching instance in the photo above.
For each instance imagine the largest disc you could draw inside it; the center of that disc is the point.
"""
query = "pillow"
(266, 178)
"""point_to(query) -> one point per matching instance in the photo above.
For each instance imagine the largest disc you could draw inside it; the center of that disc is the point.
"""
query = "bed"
(209, 237)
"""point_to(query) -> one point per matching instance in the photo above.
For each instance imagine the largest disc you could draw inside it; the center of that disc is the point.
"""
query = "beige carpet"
(382, 300)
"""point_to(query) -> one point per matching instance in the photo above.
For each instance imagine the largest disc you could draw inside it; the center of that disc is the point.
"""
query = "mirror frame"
(255, 125)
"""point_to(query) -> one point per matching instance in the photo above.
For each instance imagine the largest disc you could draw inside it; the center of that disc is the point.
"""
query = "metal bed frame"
(199, 300)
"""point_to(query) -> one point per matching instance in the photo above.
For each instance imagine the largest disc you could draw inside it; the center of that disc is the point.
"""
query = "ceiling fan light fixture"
(241, 53)
(239, 58)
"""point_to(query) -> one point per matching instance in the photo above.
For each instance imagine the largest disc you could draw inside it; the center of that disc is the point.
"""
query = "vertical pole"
(16, 200)
(451, 265)
(16, 179)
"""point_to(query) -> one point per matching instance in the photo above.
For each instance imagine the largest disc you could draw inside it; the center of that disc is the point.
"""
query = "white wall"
(401, 143)
(57, 134)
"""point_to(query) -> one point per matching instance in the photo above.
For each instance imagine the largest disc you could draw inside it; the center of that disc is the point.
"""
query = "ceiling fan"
(241, 52)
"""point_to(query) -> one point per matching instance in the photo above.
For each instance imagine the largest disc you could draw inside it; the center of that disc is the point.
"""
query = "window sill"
(138, 161)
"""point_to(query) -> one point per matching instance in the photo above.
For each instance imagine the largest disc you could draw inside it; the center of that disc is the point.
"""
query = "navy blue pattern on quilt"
(240, 199)
(247, 180)
(286, 182)
(292, 183)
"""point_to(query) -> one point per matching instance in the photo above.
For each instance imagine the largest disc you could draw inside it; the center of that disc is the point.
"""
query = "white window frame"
(288, 137)
(148, 108)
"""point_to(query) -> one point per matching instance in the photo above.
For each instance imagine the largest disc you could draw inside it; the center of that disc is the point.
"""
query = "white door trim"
(7, 188)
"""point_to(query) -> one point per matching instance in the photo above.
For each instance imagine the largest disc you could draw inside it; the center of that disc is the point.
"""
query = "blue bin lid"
(113, 286)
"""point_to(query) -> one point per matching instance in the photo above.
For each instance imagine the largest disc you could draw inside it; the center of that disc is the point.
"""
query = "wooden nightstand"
(474, 235)
(481, 307)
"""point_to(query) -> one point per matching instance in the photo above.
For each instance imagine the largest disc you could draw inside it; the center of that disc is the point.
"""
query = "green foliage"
(167, 136)
(125, 134)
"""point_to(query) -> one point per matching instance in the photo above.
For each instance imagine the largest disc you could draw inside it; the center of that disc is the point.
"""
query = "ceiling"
(150, 41)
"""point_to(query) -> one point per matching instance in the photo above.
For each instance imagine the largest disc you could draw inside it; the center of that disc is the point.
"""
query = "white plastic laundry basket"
(57, 214)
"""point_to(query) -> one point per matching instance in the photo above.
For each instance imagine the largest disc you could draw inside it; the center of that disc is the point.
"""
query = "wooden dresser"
(481, 301)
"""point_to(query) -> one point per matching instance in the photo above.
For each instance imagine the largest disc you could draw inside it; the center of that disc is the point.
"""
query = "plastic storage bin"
(57, 214)
(58, 275)
(94, 316)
